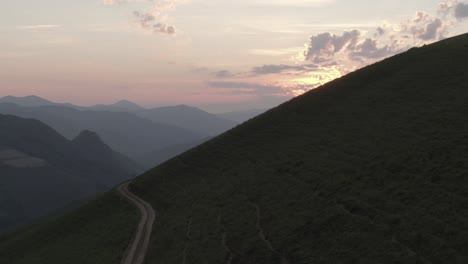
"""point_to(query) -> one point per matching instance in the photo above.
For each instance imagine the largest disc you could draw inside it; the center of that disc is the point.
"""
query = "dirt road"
(136, 251)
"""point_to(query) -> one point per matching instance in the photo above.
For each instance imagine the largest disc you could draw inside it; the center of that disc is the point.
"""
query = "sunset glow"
(237, 54)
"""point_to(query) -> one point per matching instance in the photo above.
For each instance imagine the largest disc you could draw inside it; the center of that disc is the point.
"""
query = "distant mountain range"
(183, 116)
(121, 106)
(190, 118)
(162, 155)
(129, 128)
(41, 171)
(33, 101)
(26, 101)
(242, 116)
(125, 132)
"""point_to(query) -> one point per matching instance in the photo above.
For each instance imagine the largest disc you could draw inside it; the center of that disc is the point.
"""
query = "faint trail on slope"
(188, 231)
(188, 237)
(224, 241)
(184, 254)
(261, 233)
(136, 250)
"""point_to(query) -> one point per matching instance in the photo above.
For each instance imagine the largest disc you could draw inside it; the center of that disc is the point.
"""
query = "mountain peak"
(126, 103)
(89, 139)
(87, 133)
(24, 97)
(28, 101)
(122, 105)
(35, 97)
(184, 106)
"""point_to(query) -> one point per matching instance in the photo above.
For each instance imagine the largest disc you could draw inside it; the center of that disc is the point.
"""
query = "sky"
(220, 55)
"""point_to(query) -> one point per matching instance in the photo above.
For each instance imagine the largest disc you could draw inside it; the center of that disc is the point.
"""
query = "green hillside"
(370, 168)
(96, 233)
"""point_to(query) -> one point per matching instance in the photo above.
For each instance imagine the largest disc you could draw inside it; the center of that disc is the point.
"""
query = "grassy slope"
(371, 168)
(96, 233)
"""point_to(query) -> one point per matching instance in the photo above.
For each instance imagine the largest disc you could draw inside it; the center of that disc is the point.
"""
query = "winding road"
(136, 250)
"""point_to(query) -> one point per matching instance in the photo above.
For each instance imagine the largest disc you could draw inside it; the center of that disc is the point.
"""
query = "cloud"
(379, 32)
(461, 11)
(164, 28)
(249, 88)
(154, 19)
(149, 21)
(421, 16)
(386, 40)
(288, 90)
(223, 74)
(114, 2)
(275, 52)
(39, 26)
(213, 73)
(145, 19)
(425, 27)
(432, 30)
(323, 47)
(295, 3)
(330, 55)
(281, 68)
(369, 49)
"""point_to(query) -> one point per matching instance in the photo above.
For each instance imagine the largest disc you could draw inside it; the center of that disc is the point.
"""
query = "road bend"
(138, 247)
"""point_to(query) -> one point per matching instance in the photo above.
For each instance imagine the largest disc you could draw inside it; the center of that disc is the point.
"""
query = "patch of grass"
(98, 232)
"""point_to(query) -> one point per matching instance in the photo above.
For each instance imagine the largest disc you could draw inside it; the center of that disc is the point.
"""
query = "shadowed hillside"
(124, 132)
(149, 136)
(41, 171)
(370, 168)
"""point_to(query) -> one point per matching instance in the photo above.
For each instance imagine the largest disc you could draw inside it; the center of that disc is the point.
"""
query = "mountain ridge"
(122, 105)
(242, 116)
(125, 132)
(30, 100)
(89, 137)
(189, 117)
(185, 117)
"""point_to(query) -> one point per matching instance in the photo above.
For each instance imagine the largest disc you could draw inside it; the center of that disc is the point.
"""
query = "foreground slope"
(370, 168)
(96, 233)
